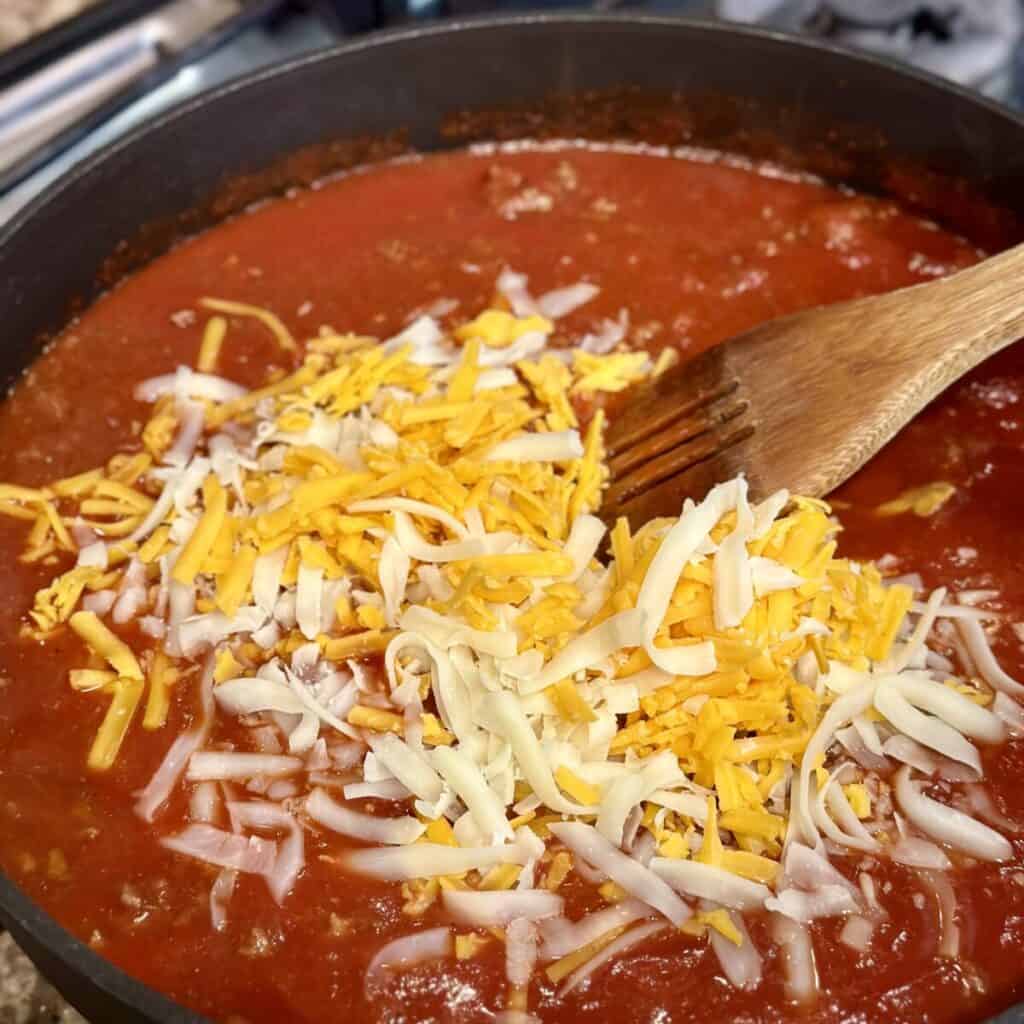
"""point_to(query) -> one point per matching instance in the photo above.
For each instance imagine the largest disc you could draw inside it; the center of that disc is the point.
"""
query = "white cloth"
(968, 41)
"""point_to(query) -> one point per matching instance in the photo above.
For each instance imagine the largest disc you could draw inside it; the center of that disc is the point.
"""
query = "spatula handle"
(957, 322)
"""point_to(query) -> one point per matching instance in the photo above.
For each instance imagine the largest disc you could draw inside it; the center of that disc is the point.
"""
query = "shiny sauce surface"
(695, 250)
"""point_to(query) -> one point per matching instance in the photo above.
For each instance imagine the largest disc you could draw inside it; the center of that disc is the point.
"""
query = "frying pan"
(851, 118)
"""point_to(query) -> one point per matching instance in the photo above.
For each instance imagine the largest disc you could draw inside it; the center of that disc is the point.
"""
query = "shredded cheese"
(390, 553)
(923, 501)
(103, 642)
(265, 317)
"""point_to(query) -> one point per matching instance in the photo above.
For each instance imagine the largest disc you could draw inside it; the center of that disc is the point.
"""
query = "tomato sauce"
(695, 250)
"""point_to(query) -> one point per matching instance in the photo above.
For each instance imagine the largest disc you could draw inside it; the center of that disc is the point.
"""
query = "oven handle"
(38, 109)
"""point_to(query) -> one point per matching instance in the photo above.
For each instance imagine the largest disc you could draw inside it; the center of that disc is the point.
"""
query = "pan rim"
(395, 37)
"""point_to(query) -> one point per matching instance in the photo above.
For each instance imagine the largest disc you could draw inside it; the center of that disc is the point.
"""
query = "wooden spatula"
(804, 401)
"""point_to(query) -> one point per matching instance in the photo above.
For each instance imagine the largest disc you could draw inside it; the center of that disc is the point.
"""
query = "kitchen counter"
(25, 998)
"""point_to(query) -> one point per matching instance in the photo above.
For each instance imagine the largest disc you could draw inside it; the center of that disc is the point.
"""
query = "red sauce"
(696, 251)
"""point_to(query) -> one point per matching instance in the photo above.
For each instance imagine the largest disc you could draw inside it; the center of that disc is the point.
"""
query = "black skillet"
(859, 120)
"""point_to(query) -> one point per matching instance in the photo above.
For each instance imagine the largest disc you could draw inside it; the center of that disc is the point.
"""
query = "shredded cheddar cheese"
(213, 338)
(561, 969)
(106, 644)
(126, 696)
(265, 317)
(922, 501)
(388, 558)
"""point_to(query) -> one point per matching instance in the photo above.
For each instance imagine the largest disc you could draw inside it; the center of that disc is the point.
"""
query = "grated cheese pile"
(385, 570)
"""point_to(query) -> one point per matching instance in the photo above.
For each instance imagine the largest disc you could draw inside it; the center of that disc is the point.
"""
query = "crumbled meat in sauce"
(696, 251)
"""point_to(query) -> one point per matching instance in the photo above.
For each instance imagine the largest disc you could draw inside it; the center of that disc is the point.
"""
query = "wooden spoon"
(803, 402)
